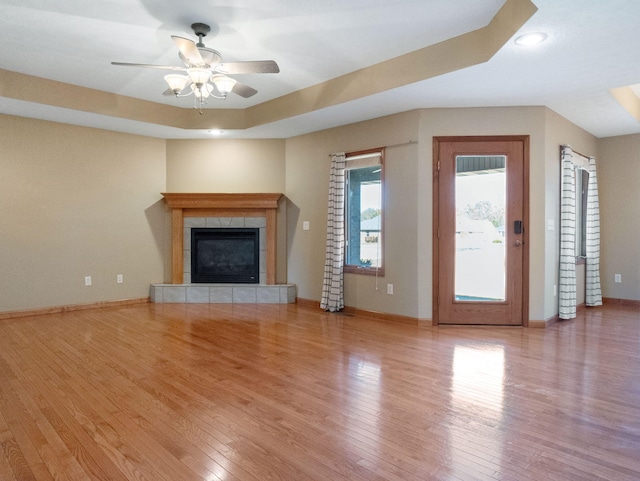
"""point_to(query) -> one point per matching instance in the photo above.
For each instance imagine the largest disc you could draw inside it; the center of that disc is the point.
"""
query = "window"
(364, 212)
(582, 190)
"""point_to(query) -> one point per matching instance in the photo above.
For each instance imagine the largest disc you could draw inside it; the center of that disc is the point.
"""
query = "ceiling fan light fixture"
(202, 93)
(199, 76)
(176, 82)
(204, 71)
(223, 83)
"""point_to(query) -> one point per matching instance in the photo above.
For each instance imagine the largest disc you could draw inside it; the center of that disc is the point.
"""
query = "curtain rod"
(572, 150)
(389, 146)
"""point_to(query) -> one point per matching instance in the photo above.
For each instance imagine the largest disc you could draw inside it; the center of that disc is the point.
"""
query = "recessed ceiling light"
(529, 39)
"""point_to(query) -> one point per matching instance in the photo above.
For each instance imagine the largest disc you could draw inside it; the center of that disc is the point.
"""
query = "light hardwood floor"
(284, 392)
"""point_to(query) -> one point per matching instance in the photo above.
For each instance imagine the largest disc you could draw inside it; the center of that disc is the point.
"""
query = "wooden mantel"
(220, 205)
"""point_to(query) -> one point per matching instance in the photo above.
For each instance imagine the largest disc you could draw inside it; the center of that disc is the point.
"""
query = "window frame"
(358, 269)
(582, 191)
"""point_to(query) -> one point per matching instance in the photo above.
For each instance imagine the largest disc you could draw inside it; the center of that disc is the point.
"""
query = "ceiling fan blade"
(252, 66)
(243, 90)
(146, 65)
(188, 50)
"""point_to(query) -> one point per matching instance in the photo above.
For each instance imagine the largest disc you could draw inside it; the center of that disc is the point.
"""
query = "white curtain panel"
(567, 281)
(593, 295)
(332, 286)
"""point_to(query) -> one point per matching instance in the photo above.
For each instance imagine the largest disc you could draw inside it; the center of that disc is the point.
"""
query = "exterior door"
(480, 230)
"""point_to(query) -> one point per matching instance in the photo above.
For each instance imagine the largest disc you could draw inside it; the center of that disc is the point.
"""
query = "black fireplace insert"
(225, 255)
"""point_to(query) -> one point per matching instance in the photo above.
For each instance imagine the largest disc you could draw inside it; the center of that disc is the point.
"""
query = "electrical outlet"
(390, 289)
(119, 279)
(555, 290)
(617, 278)
(305, 225)
(87, 280)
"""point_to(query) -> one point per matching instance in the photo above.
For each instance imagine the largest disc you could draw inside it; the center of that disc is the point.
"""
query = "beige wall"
(307, 176)
(618, 172)
(225, 166)
(559, 131)
(232, 166)
(78, 202)
(408, 225)
(408, 244)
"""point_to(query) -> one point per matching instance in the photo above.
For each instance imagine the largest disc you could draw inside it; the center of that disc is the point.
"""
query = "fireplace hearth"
(225, 255)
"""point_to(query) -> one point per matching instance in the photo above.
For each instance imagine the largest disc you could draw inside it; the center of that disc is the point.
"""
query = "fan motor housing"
(210, 57)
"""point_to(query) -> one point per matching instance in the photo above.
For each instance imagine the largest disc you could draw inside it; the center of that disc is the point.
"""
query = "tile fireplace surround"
(189, 210)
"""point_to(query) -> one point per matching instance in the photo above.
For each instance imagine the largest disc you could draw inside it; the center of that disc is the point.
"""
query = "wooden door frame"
(525, 214)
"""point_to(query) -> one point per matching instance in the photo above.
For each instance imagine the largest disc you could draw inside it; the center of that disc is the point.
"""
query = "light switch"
(551, 225)
(305, 225)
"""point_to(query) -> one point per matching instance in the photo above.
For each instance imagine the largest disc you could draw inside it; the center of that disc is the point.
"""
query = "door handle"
(518, 243)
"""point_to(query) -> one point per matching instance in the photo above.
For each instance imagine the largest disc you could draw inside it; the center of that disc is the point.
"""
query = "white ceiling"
(592, 47)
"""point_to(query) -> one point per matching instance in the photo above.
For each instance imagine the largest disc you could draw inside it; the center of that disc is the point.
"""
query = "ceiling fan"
(206, 73)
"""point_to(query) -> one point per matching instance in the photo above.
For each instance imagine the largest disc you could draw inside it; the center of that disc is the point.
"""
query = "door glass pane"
(480, 228)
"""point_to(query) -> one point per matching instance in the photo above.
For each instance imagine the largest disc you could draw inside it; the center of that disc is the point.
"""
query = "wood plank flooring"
(169, 392)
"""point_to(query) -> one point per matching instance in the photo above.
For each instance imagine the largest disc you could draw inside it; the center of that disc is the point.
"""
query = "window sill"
(365, 271)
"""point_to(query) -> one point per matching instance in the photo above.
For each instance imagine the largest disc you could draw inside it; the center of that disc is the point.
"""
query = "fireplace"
(201, 207)
(191, 211)
(225, 255)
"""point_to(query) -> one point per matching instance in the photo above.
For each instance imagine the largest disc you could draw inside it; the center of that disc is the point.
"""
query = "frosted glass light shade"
(223, 83)
(176, 82)
(199, 76)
